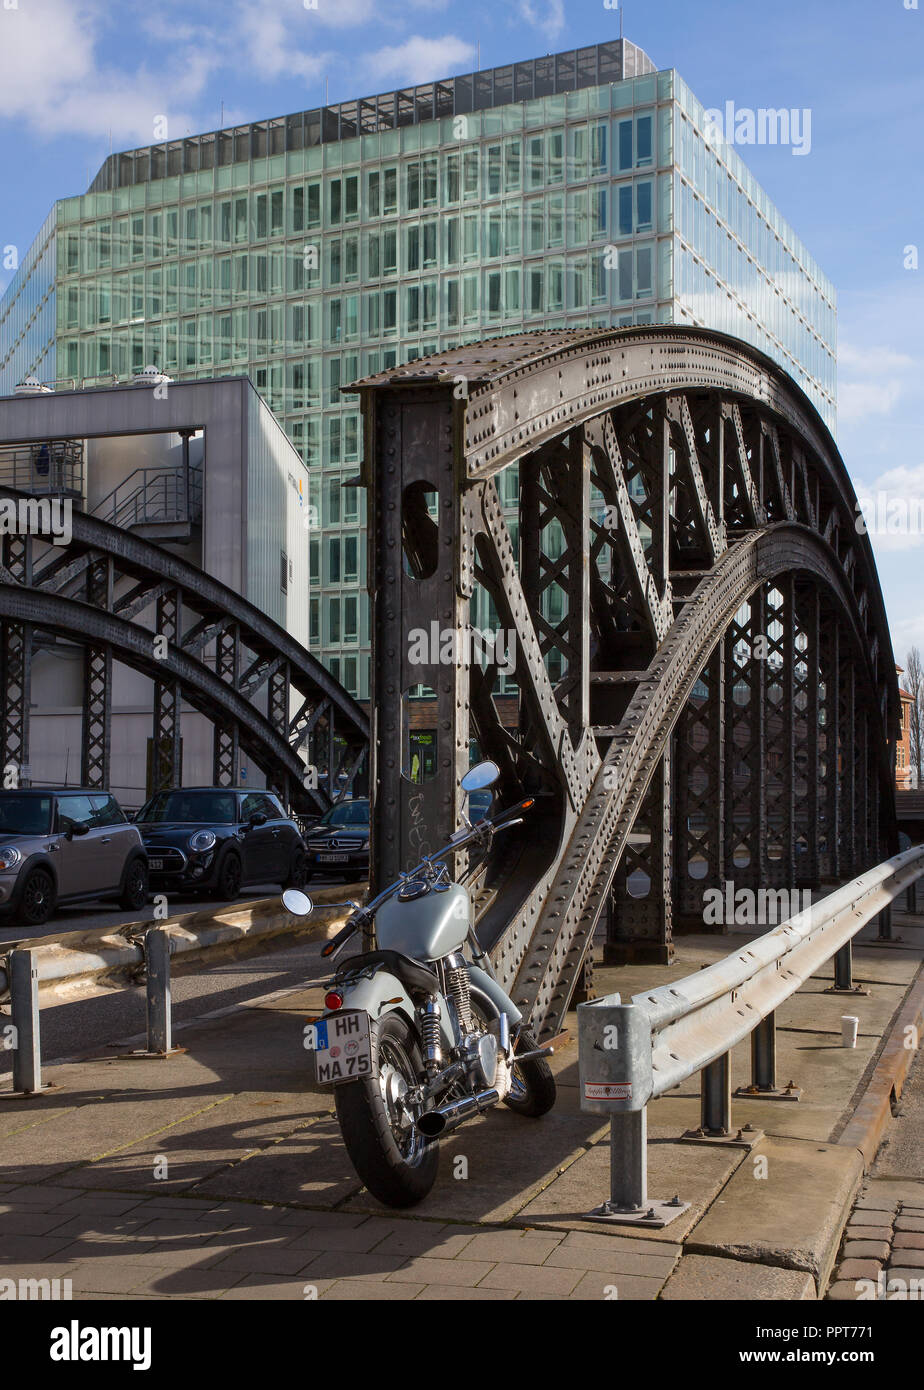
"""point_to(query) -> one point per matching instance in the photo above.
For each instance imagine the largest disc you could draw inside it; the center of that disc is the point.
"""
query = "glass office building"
(576, 190)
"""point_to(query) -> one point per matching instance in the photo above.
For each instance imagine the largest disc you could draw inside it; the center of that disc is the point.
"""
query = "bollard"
(157, 964)
(715, 1096)
(27, 1056)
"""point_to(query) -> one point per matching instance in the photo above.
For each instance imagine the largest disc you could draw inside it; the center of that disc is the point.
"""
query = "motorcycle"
(416, 1038)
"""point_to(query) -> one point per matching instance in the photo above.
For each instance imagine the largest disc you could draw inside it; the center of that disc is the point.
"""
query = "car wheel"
(228, 883)
(135, 889)
(298, 871)
(37, 898)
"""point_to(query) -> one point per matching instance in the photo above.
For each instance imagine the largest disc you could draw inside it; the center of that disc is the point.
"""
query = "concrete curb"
(873, 1115)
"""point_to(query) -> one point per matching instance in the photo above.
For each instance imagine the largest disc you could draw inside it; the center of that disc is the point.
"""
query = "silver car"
(64, 845)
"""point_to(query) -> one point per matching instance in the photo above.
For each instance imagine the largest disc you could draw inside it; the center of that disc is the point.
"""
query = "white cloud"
(872, 381)
(51, 79)
(419, 59)
(548, 17)
(270, 38)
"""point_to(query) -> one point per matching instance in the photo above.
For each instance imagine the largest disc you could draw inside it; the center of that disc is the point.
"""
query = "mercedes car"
(339, 844)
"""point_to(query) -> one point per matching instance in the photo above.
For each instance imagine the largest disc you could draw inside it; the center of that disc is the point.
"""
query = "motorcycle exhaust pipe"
(436, 1122)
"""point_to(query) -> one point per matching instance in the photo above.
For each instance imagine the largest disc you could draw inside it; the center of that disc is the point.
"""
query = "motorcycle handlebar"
(500, 822)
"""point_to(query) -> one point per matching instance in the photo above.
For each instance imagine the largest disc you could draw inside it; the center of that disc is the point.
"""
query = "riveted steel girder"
(211, 640)
(721, 518)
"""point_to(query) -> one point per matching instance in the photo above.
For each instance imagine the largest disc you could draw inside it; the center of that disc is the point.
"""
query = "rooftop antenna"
(221, 116)
(479, 55)
(327, 91)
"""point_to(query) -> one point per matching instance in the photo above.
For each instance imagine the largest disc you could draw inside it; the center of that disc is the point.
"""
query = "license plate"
(155, 863)
(343, 1047)
(333, 858)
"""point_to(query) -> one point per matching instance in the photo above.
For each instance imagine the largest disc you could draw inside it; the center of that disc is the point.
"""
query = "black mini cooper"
(219, 839)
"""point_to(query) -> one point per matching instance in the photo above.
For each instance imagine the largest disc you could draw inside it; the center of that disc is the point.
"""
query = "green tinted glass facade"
(321, 263)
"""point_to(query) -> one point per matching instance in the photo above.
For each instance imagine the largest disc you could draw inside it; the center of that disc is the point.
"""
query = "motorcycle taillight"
(333, 999)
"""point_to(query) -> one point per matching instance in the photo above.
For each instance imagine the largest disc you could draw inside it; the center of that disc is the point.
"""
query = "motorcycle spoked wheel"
(395, 1162)
(532, 1089)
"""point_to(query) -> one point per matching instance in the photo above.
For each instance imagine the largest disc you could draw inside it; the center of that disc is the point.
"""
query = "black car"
(339, 843)
(217, 839)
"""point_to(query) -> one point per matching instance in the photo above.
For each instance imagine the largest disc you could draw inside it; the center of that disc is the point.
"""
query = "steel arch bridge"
(705, 686)
(127, 600)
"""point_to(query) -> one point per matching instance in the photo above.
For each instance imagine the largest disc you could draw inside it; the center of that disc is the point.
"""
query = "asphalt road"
(105, 1022)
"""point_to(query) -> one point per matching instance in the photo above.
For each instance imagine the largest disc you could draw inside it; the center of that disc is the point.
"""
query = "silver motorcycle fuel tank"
(426, 928)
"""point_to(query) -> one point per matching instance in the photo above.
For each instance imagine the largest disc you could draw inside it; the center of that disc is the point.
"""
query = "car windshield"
(25, 815)
(347, 813)
(212, 808)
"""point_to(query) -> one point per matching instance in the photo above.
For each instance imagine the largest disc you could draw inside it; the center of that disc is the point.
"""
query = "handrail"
(163, 494)
(631, 1053)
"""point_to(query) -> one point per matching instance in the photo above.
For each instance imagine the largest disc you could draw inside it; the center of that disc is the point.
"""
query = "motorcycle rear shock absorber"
(430, 1036)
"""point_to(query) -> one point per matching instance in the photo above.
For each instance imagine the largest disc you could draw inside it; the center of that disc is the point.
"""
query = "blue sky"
(74, 75)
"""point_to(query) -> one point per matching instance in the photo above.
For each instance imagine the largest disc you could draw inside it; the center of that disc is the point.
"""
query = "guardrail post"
(763, 1054)
(763, 1066)
(885, 924)
(27, 1055)
(614, 1064)
(157, 969)
(911, 897)
(715, 1093)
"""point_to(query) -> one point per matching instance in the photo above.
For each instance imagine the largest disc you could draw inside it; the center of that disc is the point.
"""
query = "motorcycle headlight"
(9, 858)
(202, 840)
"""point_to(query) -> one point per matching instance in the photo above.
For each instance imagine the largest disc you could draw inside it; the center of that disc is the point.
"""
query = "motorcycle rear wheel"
(395, 1162)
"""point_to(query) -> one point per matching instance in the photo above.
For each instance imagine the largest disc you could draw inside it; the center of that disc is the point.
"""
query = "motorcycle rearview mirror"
(297, 902)
(480, 776)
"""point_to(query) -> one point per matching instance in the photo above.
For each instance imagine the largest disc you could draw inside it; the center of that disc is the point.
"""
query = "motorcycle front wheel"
(395, 1162)
(532, 1091)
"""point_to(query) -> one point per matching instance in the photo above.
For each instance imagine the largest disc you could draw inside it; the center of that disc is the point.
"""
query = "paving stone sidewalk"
(111, 1245)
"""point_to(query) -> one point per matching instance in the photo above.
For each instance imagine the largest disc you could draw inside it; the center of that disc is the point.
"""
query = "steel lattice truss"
(203, 646)
(704, 677)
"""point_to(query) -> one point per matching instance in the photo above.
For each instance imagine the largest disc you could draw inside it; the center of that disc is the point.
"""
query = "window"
(106, 811)
(625, 145)
(350, 559)
(334, 574)
(74, 810)
(351, 618)
(643, 140)
(283, 571)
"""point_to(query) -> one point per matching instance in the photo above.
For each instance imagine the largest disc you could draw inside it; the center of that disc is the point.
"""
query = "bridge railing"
(55, 969)
(631, 1053)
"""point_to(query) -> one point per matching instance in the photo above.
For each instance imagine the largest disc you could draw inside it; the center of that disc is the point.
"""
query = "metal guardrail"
(75, 964)
(631, 1053)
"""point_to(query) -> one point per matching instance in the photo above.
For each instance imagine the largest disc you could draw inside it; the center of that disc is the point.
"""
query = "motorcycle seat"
(417, 978)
